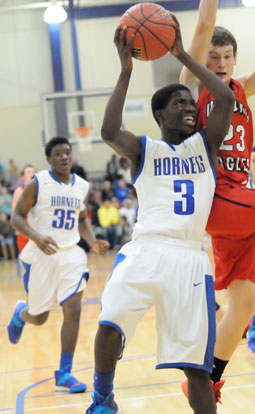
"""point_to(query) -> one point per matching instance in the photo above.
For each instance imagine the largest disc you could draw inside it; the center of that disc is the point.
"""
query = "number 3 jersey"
(57, 208)
(234, 153)
(175, 186)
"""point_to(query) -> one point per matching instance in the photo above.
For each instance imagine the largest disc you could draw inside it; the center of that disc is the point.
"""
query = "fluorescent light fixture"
(54, 14)
(248, 3)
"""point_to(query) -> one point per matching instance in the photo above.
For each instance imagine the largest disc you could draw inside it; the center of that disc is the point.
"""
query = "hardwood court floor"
(27, 369)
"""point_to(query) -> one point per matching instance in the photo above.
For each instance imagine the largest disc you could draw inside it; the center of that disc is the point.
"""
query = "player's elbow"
(107, 133)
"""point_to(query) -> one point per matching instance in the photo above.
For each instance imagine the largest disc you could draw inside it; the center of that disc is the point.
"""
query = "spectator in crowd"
(107, 191)
(124, 231)
(108, 216)
(5, 202)
(92, 209)
(1, 172)
(121, 189)
(79, 170)
(93, 189)
(27, 173)
(12, 172)
(124, 171)
(112, 168)
(128, 211)
(7, 237)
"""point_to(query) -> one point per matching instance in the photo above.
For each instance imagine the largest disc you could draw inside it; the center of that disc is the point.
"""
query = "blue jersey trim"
(181, 365)
(27, 267)
(74, 179)
(170, 145)
(85, 275)
(54, 178)
(201, 132)
(118, 259)
(37, 189)
(210, 298)
(144, 140)
(113, 325)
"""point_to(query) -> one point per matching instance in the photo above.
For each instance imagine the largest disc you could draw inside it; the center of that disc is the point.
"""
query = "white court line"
(145, 397)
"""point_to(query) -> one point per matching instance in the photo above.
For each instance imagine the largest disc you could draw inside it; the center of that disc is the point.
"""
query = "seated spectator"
(107, 191)
(92, 209)
(108, 216)
(121, 189)
(111, 168)
(124, 171)
(129, 212)
(94, 190)
(79, 170)
(7, 237)
(5, 202)
(124, 231)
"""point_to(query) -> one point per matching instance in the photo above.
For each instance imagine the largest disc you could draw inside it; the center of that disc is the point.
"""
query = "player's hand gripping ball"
(153, 28)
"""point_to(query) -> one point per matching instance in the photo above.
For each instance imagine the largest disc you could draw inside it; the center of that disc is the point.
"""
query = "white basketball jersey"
(57, 208)
(175, 185)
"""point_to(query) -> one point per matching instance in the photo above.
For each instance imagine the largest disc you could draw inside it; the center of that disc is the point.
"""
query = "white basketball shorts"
(176, 277)
(54, 278)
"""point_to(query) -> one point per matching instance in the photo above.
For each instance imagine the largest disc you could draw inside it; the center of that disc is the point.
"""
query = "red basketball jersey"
(234, 153)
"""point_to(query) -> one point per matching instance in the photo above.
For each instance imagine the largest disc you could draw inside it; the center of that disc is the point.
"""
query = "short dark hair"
(253, 149)
(162, 96)
(222, 37)
(26, 166)
(55, 141)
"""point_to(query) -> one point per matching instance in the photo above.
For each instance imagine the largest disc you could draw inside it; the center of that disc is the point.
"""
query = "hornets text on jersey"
(175, 187)
(57, 208)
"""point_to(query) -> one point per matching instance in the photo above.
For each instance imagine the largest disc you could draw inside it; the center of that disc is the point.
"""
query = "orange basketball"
(151, 24)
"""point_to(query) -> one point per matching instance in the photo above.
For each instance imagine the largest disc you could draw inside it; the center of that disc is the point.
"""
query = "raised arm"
(125, 143)
(201, 40)
(248, 83)
(220, 117)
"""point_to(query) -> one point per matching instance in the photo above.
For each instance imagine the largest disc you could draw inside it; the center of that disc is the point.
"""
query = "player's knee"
(72, 310)
(40, 319)
(108, 334)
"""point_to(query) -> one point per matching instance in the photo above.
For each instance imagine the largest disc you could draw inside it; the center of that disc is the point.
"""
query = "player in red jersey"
(27, 174)
(232, 220)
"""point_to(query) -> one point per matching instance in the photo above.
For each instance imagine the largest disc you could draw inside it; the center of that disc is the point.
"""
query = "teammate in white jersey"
(55, 267)
(164, 264)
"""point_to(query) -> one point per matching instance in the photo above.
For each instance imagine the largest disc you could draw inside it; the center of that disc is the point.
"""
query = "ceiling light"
(54, 13)
(248, 3)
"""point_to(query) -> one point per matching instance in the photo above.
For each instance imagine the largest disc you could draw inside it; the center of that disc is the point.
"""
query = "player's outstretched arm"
(248, 83)
(201, 40)
(220, 117)
(125, 143)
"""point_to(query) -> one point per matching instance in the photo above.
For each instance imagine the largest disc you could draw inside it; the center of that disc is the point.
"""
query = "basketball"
(151, 25)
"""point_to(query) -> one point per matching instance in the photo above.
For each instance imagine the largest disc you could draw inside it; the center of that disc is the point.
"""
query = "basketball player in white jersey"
(55, 267)
(164, 264)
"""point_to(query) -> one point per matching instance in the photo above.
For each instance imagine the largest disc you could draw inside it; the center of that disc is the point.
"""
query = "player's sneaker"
(103, 405)
(66, 382)
(216, 389)
(251, 340)
(16, 324)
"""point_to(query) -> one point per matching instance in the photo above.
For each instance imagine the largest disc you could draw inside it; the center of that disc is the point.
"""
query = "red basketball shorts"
(21, 242)
(231, 225)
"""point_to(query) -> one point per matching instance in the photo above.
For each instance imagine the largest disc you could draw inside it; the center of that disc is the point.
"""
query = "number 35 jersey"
(57, 208)
(234, 153)
(175, 186)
